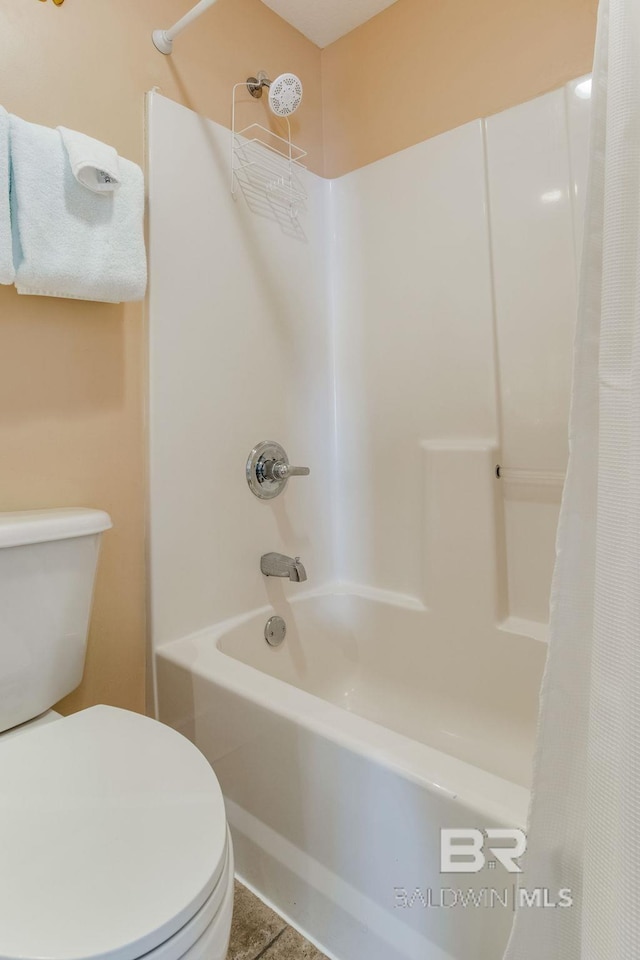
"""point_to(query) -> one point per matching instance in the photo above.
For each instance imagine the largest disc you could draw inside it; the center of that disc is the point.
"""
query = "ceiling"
(323, 21)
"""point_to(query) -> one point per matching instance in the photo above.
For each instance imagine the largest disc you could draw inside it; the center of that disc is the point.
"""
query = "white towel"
(7, 271)
(72, 242)
(94, 164)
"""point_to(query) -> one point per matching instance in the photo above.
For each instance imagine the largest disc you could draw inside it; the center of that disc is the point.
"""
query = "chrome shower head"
(285, 92)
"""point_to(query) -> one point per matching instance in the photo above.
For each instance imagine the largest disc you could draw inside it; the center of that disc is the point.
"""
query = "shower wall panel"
(239, 352)
(535, 278)
(537, 156)
(413, 327)
(455, 277)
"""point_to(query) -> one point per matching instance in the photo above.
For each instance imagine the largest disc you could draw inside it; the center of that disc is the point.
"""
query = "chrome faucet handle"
(268, 470)
(282, 470)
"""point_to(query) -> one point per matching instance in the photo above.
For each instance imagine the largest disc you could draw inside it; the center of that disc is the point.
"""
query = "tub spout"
(278, 565)
(299, 574)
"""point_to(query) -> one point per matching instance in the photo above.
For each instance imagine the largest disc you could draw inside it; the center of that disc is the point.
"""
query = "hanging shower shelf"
(267, 167)
(263, 161)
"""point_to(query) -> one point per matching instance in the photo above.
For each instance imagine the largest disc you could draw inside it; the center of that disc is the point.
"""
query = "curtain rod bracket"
(163, 39)
(161, 42)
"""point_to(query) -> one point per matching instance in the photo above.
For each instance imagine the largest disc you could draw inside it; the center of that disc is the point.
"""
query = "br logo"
(463, 851)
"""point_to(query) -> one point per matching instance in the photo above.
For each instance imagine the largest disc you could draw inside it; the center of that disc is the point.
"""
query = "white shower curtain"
(584, 829)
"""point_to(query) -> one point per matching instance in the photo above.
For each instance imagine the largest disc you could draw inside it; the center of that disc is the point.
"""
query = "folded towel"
(72, 242)
(94, 164)
(7, 271)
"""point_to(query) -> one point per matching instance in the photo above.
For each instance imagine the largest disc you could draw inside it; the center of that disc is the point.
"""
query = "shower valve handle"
(268, 470)
(281, 470)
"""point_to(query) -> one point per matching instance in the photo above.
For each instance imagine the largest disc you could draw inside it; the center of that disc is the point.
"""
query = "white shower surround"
(385, 350)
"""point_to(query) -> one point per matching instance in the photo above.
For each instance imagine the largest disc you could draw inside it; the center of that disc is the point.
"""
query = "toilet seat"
(207, 932)
(113, 841)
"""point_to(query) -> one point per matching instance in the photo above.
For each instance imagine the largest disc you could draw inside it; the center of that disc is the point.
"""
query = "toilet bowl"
(114, 843)
(113, 836)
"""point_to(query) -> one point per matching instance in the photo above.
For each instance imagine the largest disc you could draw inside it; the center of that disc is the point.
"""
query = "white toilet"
(113, 837)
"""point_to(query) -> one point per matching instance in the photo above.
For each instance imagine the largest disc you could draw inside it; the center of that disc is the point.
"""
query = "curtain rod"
(163, 39)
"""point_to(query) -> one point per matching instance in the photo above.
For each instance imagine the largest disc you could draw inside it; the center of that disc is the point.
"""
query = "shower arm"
(163, 39)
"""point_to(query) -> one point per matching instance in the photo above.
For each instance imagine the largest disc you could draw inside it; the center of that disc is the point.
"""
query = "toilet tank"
(48, 562)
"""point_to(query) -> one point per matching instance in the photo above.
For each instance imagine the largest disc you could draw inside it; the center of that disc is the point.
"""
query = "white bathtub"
(343, 753)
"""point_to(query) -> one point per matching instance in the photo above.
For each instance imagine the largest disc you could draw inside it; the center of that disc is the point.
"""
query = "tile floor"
(260, 934)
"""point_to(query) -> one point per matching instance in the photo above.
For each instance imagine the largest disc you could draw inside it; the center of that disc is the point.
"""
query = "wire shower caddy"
(266, 165)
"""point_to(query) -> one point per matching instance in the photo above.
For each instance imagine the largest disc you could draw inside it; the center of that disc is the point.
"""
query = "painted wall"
(422, 67)
(72, 374)
(239, 353)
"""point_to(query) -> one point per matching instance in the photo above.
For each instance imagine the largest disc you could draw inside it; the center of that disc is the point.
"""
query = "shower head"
(285, 92)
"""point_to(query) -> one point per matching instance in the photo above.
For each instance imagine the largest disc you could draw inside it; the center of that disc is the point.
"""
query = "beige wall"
(425, 66)
(72, 374)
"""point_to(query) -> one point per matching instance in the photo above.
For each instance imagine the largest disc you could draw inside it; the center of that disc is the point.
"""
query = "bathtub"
(343, 752)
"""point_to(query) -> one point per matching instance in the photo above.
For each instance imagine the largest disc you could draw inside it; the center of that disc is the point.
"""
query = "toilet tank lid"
(40, 526)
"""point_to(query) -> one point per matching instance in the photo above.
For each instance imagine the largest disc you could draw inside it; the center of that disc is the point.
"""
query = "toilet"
(114, 843)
